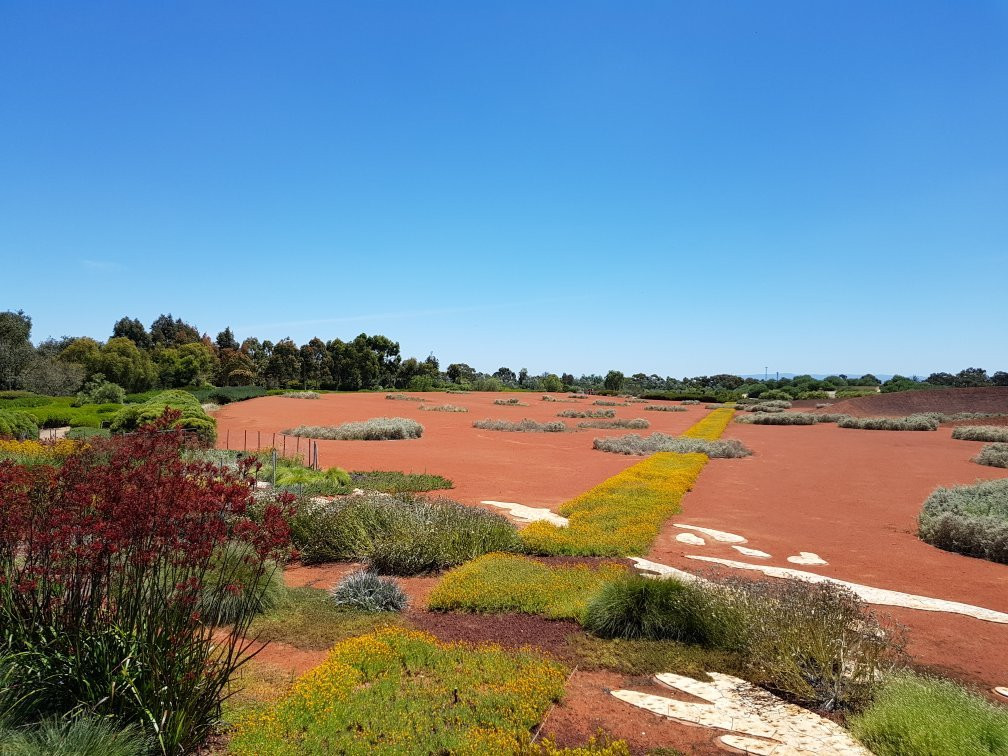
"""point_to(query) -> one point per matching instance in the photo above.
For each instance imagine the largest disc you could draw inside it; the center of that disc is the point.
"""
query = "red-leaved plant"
(111, 568)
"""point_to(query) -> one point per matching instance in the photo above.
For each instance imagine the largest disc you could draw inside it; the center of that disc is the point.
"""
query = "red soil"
(852, 497)
(536, 469)
(987, 399)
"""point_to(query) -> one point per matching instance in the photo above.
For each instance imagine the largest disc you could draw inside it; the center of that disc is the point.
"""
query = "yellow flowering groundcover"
(398, 691)
(36, 452)
(510, 583)
(623, 515)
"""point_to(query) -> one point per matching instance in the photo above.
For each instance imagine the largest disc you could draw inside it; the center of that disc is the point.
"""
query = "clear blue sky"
(677, 188)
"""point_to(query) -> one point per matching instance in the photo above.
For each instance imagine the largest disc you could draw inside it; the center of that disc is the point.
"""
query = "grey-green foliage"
(993, 455)
(512, 402)
(608, 403)
(660, 442)
(443, 408)
(52, 376)
(375, 429)
(523, 426)
(398, 534)
(405, 398)
(779, 418)
(587, 413)
(302, 394)
(971, 520)
(665, 408)
(249, 588)
(997, 433)
(762, 405)
(97, 390)
(917, 422)
(80, 736)
(635, 424)
(367, 592)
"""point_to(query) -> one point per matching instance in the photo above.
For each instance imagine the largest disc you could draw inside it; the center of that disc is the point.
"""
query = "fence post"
(274, 468)
(258, 440)
(227, 440)
(284, 444)
(246, 440)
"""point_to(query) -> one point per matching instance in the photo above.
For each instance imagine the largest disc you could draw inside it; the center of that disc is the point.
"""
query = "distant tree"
(121, 362)
(16, 350)
(459, 372)
(941, 379)
(235, 368)
(613, 380)
(523, 376)
(568, 379)
(867, 380)
(226, 339)
(169, 332)
(132, 329)
(316, 364)
(52, 376)
(505, 375)
(284, 367)
(972, 377)
(83, 351)
(1000, 378)
(552, 382)
(53, 347)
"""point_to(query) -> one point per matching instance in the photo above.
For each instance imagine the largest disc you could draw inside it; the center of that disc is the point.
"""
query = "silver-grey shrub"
(443, 408)
(665, 408)
(302, 394)
(632, 443)
(830, 417)
(971, 520)
(781, 418)
(513, 402)
(690, 401)
(405, 398)
(919, 422)
(635, 424)
(609, 403)
(365, 591)
(587, 413)
(993, 455)
(375, 429)
(524, 426)
(997, 433)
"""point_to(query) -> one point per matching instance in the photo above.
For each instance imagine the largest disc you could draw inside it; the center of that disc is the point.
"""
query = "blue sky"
(678, 188)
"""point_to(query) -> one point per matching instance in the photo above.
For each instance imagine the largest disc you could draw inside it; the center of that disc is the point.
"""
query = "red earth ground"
(986, 399)
(850, 496)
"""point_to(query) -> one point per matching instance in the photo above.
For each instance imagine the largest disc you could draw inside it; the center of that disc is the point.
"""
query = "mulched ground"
(987, 399)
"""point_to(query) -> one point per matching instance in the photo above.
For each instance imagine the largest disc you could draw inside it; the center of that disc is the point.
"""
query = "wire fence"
(297, 447)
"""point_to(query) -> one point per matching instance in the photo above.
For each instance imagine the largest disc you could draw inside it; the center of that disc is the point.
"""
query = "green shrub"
(388, 481)
(814, 395)
(331, 482)
(920, 716)
(236, 584)
(918, 422)
(398, 535)
(587, 413)
(636, 424)
(99, 391)
(367, 592)
(776, 395)
(660, 442)
(993, 455)
(512, 402)
(971, 520)
(981, 433)
(17, 425)
(375, 429)
(782, 418)
(193, 418)
(217, 395)
(525, 426)
(79, 736)
(84, 432)
(664, 408)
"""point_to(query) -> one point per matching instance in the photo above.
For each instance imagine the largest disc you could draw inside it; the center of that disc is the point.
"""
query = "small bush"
(993, 455)
(607, 403)
(79, 434)
(512, 402)
(914, 715)
(636, 424)
(444, 408)
(524, 426)
(17, 425)
(664, 408)
(971, 520)
(782, 418)
(981, 433)
(192, 418)
(217, 395)
(237, 584)
(690, 401)
(367, 592)
(405, 398)
(830, 417)
(79, 736)
(919, 422)
(554, 399)
(587, 413)
(301, 394)
(661, 442)
(392, 482)
(99, 391)
(758, 405)
(375, 429)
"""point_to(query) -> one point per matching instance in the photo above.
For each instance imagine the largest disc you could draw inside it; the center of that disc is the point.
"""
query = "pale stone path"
(1001, 691)
(717, 535)
(746, 551)
(866, 592)
(690, 539)
(806, 557)
(529, 514)
(757, 721)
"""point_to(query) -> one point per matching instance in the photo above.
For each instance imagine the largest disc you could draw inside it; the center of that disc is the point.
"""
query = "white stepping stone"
(751, 552)
(692, 540)
(657, 569)
(530, 514)
(807, 557)
(1001, 691)
(867, 593)
(758, 722)
(717, 535)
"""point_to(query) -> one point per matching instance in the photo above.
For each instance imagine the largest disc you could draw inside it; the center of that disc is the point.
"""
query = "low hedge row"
(971, 520)
(193, 418)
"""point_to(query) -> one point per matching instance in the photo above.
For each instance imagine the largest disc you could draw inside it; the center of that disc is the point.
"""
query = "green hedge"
(132, 416)
(19, 425)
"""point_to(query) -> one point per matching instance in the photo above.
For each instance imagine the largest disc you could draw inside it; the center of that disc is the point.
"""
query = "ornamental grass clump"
(512, 402)
(993, 455)
(401, 691)
(608, 403)
(587, 413)
(443, 408)
(375, 429)
(643, 446)
(996, 433)
(302, 394)
(971, 520)
(664, 408)
(918, 422)
(364, 591)
(110, 582)
(405, 398)
(524, 426)
(635, 424)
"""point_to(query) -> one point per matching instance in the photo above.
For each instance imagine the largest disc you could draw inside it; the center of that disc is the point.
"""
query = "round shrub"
(367, 592)
(17, 425)
(193, 418)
